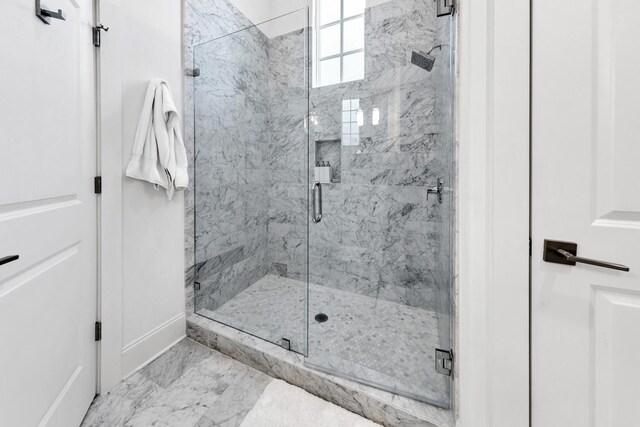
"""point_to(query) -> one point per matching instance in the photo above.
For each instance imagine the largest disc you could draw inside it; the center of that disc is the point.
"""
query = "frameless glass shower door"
(324, 177)
(251, 106)
(381, 171)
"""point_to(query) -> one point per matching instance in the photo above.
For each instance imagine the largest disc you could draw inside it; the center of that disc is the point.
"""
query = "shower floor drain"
(321, 317)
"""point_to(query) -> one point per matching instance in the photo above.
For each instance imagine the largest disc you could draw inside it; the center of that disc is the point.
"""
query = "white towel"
(158, 155)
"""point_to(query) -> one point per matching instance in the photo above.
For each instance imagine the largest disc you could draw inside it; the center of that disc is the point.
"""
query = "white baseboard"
(151, 345)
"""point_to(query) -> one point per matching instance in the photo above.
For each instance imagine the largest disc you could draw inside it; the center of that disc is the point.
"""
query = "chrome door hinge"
(98, 331)
(96, 34)
(97, 185)
(444, 362)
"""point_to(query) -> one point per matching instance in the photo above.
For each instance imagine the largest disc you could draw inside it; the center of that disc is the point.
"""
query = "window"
(352, 119)
(339, 41)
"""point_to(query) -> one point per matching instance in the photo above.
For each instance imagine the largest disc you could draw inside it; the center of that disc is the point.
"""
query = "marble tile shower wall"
(231, 131)
(379, 236)
(288, 151)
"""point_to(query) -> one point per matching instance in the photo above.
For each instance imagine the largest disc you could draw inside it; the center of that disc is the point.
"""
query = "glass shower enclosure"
(324, 175)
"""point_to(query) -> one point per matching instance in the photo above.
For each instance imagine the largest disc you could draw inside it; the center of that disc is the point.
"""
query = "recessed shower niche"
(328, 154)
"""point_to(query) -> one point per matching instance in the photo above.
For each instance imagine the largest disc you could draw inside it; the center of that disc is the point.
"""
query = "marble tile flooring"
(377, 342)
(193, 386)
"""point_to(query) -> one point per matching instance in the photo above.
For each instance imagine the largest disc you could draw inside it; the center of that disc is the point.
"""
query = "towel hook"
(46, 15)
(96, 34)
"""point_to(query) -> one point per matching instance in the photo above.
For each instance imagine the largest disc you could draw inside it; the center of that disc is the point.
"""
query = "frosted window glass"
(330, 41)
(330, 71)
(353, 67)
(353, 7)
(354, 34)
(329, 11)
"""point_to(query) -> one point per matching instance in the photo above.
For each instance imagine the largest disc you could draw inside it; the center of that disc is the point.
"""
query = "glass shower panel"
(250, 108)
(381, 257)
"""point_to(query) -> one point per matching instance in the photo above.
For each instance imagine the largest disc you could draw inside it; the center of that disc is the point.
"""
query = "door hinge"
(445, 7)
(98, 331)
(444, 362)
(192, 72)
(530, 249)
(96, 34)
(97, 185)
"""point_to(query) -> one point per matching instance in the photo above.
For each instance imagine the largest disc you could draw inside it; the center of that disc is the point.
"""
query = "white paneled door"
(586, 190)
(47, 215)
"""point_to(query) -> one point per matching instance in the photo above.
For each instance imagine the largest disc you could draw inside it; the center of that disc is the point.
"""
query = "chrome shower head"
(424, 60)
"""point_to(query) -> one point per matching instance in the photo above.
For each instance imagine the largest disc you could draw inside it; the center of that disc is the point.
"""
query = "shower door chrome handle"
(317, 202)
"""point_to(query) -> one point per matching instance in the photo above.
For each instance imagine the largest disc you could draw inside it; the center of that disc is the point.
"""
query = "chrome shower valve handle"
(438, 189)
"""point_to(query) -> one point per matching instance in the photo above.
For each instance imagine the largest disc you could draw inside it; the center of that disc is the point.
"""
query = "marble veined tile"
(204, 422)
(384, 343)
(381, 406)
(251, 105)
(179, 389)
(201, 388)
(118, 406)
(174, 363)
(238, 399)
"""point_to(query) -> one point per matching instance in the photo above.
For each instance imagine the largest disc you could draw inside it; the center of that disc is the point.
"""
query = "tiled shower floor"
(381, 343)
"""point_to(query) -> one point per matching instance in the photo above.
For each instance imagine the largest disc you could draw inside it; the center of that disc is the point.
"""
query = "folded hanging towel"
(158, 155)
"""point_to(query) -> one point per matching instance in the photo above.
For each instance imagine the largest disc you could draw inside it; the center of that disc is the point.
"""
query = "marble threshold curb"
(377, 405)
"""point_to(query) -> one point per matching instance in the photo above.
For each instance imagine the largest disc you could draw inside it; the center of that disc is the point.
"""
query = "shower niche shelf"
(330, 151)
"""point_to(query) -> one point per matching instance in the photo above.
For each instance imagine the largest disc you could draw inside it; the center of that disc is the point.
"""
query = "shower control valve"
(438, 190)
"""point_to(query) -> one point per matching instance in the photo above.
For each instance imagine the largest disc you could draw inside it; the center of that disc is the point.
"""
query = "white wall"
(493, 301)
(256, 11)
(143, 232)
(262, 11)
(291, 22)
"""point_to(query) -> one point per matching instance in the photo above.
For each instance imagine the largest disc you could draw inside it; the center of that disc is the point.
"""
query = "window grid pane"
(330, 43)
(350, 40)
(353, 34)
(330, 11)
(330, 71)
(350, 126)
(353, 67)
(352, 8)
